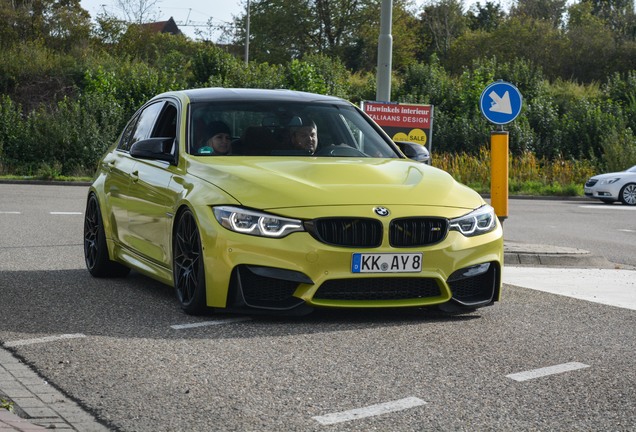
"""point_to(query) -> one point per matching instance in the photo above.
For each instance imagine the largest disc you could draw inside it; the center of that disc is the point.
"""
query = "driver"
(305, 137)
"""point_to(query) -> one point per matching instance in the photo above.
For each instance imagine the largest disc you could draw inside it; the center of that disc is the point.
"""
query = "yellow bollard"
(499, 173)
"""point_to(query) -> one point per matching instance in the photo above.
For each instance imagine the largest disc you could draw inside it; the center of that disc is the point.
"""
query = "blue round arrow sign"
(500, 102)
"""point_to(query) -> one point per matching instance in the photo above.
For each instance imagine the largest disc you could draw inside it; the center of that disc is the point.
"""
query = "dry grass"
(526, 173)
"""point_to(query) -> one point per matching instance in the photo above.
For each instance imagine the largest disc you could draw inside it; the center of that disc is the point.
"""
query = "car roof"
(241, 94)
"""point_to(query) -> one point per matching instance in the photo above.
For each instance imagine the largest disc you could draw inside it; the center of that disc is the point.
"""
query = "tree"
(618, 14)
(485, 17)
(280, 30)
(361, 50)
(550, 11)
(444, 21)
(61, 24)
(138, 11)
(592, 47)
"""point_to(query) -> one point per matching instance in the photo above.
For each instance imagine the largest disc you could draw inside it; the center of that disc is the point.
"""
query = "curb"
(553, 256)
(41, 406)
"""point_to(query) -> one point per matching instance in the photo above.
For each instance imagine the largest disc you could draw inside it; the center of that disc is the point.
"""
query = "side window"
(141, 126)
(167, 123)
(166, 126)
(126, 136)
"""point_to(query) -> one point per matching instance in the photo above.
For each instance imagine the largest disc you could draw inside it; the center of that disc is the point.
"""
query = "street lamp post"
(247, 35)
(385, 52)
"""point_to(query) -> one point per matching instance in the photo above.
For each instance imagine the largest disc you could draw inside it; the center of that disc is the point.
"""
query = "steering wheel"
(341, 150)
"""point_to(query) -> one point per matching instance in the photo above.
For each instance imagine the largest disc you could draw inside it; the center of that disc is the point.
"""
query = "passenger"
(305, 137)
(219, 142)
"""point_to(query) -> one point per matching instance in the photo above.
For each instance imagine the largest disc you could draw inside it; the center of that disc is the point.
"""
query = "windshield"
(283, 129)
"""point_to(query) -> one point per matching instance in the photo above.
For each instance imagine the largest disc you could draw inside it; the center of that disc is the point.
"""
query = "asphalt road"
(134, 362)
(604, 230)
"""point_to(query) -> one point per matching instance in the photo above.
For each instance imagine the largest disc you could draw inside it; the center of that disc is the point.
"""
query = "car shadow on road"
(42, 303)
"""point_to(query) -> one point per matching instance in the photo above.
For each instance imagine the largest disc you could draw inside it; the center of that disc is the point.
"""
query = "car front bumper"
(299, 271)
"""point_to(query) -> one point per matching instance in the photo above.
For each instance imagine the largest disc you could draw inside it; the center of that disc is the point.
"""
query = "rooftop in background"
(163, 27)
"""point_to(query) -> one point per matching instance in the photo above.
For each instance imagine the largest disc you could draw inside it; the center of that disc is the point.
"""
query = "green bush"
(619, 150)
(66, 140)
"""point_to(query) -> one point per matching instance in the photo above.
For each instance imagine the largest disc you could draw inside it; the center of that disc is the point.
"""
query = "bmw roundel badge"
(381, 211)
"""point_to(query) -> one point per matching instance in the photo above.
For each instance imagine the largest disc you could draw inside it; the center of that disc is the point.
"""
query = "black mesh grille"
(348, 232)
(378, 289)
(262, 291)
(413, 232)
(474, 289)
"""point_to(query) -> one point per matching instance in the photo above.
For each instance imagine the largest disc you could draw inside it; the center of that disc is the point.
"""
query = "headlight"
(610, 181)
(256, 223)
(477, 222)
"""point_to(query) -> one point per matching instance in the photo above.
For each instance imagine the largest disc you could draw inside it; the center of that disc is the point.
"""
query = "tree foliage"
(68, 86)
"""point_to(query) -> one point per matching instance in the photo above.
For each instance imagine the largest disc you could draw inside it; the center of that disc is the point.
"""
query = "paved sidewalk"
(44, 406)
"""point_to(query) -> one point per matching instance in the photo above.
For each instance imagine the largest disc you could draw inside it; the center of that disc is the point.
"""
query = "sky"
(194, 12)
(183, 11)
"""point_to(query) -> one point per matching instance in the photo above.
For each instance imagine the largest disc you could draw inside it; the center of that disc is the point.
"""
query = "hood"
(270, 183)
(621, 174)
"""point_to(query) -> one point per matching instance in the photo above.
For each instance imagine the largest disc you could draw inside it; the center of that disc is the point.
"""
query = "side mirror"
(155, 149)
(414, 151)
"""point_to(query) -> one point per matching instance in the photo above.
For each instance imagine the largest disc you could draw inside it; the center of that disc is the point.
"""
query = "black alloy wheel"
(188, 269)
(96, 256)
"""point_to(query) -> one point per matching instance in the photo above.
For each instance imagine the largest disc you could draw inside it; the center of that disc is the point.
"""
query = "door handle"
(134, 176)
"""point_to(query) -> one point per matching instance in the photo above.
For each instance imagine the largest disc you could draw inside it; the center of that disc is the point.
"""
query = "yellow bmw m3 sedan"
(283, 201)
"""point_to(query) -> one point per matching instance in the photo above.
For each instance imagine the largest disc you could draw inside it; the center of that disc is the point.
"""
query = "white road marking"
(550, 370)
(609, 207)
(65, 213)
(11, 212)
(627, 230)
(208, 323)
(369, 411)
(614, 287)
(43, 340)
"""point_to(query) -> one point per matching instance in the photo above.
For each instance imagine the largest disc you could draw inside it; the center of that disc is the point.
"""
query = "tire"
(628, 194)
(96, 256)
(188, 267)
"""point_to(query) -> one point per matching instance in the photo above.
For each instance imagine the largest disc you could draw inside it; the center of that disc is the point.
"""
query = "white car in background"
(618, 186)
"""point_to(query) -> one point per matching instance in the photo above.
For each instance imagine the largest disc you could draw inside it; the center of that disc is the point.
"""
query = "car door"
(119, 166)
(152, 200)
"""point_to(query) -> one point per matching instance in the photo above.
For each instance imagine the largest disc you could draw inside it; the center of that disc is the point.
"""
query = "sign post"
(500, 103)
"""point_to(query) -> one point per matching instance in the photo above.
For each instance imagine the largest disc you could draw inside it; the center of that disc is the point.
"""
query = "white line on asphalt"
(65, 213)
(10, 212)
(550, 370)
(585, 284)
(369, 411)
(627, 230)
(608, 207)
(43, 340)
(208, 323)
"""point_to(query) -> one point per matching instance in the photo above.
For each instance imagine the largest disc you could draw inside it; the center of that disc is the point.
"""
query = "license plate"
(386, 263)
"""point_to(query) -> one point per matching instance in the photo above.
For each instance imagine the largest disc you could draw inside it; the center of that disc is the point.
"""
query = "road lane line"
(65, 213)
(369, 411)
(608, 207)
(11, 212)
(209, 323)
(43, 340)
(550, 370)
(584, 284)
